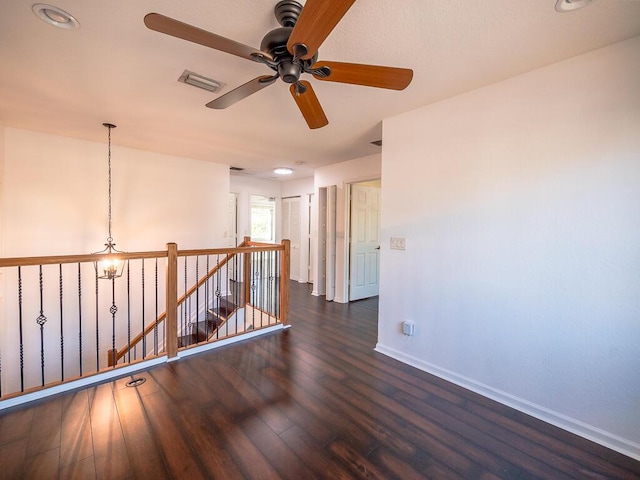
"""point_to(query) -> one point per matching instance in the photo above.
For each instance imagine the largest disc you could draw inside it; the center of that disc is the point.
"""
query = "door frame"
(347, 234)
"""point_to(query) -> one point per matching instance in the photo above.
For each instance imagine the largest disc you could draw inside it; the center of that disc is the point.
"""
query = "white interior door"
(232, 221)
(331, 242)
(364, 272)
(291, 229)
(232, 232)
(321, 263)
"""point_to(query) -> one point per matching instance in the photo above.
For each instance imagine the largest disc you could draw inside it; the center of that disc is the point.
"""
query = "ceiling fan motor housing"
(289, 71)
(275, 43)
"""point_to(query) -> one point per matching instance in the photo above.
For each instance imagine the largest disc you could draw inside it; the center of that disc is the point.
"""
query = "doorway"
(364, 241)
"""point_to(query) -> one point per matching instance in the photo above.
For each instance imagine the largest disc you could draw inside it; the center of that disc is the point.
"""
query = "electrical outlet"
(408, 328)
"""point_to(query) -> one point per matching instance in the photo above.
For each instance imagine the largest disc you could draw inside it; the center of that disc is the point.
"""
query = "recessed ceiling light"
(283, 171)
(564, 6)
(55, 16)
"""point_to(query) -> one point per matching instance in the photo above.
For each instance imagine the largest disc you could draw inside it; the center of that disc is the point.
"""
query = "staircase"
(214, 319)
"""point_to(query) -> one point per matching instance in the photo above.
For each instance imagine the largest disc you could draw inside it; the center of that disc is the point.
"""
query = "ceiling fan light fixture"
(565, 6)
(200, 81)
(55, 16)
(283, 171)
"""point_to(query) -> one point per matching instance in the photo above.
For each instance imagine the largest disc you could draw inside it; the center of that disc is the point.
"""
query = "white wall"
(340, 174)
(54, 202)
(55, 197)
(299, 187)
(520, 204)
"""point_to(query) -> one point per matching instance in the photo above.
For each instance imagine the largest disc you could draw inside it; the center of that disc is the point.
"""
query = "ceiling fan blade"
(309, 105)
(241, 92)
(317, 20)
(175, 28)
(367, 75)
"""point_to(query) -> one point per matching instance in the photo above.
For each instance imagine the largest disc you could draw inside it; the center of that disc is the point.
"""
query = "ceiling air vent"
(377, 143)
(197, 80)
(236, 169)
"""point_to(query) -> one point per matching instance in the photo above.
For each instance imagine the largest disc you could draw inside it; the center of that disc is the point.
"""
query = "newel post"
(246, 273)
(285, 261)
(172, 300)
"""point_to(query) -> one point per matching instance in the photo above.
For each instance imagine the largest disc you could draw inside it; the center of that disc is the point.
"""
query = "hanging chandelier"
(111, 265)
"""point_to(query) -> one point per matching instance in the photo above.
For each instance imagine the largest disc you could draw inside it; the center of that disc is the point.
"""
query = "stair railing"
(59, 322)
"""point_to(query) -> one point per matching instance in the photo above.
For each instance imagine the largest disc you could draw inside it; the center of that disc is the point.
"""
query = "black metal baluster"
(143, 312)
(278, 281)
(227, 289)
(155, 328)
(187, 324)
(113, 310)
(219, 292)
(164, 324)
(41, 320)
(261, 286)
(206, 300)
(97, 329)
(197, 300)
(269, 292)
(267, 288)
(264, 278)
(128, 313)
(61, 330)
(254, 293)
(274, 281)
(80, 316)
(20, 326)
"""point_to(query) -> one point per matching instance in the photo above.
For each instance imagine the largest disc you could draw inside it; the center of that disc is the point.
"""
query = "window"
(263, 219)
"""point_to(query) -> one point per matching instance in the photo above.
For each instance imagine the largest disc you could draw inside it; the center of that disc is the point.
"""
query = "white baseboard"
(230, 340)
(81, 382)
(129, 369)
(609, 440)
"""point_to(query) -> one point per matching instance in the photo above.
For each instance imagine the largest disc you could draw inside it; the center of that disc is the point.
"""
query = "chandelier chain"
(109, 238)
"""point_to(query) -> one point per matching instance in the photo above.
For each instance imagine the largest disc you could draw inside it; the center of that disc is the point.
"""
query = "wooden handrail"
(95, 257)
(86, 258)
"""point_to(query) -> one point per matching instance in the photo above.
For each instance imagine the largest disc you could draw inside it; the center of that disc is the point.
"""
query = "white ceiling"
(113, 69)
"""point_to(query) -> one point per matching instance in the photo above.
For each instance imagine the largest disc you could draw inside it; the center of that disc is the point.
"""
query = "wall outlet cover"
(408, 328)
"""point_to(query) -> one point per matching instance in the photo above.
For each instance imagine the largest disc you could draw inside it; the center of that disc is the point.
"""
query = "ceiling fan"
(290, 51)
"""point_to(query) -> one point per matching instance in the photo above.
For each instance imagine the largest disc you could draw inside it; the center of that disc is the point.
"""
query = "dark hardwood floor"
(314, 401)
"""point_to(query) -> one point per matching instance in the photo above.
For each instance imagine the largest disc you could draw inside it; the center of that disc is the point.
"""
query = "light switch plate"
(398, 243)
